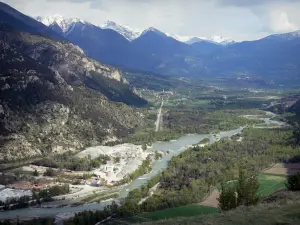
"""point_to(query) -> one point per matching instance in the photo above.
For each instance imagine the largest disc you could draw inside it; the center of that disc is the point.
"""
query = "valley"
(173, 147)
(116, 170)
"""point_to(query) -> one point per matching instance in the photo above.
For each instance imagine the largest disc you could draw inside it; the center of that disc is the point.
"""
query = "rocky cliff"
(55, 99)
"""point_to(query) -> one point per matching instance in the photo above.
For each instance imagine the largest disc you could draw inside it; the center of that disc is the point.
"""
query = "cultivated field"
(268, 185)
(284, 169)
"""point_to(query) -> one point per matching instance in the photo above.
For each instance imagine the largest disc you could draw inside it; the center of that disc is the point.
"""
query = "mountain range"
(129, 33)
(154, 51)
(56, 95)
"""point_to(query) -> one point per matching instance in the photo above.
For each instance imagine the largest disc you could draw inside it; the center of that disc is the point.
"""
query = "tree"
(157, 155)
(296, 136)
(35, 173)
(244, 192)
(117, 159)
(293, 182)
(228, 198)
(144, 147)
(247, 188)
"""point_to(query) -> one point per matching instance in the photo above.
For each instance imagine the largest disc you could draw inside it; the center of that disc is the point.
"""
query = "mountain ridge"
(24, 22)
(126, 31)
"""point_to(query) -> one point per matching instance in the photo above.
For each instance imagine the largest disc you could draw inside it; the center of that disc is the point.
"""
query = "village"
(66, 187)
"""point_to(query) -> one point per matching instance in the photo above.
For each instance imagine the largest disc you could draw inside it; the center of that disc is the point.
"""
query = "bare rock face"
(18, 147)
(55, 99)
(66, 59)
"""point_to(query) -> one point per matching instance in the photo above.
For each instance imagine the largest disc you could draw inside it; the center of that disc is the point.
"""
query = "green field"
(269, 184)
(271, 214)
(183, 211)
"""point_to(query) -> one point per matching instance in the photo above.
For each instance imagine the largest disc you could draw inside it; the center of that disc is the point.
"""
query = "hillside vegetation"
(281, 211)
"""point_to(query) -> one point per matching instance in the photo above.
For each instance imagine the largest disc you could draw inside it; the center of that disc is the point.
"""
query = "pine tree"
(228, 198)
(247, 189)
(293, 182)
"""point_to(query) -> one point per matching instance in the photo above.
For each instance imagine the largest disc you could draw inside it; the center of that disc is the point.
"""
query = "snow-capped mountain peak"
(62, 22)
(213, 39)
(67, 25)
(194, 39)
(221, 40)
(127, 32)
(152, 29)
(190, 39)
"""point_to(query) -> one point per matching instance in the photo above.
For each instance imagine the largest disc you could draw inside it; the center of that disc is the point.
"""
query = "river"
(174, 147)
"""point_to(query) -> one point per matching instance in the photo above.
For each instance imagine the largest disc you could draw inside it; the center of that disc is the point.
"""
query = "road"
(158, 122)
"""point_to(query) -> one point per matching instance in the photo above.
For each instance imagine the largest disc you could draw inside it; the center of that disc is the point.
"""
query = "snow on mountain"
(180, 38)
(287, 36)
(213, 39)
(221, 40)
(152, 29)
(193, 39)
(127, 32)
(64, 23)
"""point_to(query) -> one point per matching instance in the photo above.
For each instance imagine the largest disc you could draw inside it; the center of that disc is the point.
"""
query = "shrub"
(35, 173)
(50, 172)
(293, 182)
(228, 198)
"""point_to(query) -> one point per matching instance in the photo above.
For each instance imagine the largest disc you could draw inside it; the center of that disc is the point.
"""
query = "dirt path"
(284, 169)
(212, 199)
(151, 192)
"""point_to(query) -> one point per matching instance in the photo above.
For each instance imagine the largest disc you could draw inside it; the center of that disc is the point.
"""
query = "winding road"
(158, 122)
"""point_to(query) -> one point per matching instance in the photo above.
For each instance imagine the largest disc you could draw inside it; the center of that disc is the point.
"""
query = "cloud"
(275, 16)
(282, 23)
(247, 3)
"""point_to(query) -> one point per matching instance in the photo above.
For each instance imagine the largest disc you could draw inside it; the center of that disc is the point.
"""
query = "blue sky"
(236, 19)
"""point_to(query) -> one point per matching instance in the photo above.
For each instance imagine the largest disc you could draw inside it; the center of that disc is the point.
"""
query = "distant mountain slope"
(55, 99)
(268, 57)
(214, 39)
(23, 22)
(104, 45)
(127, 32)
(155, 42)
(275, 57)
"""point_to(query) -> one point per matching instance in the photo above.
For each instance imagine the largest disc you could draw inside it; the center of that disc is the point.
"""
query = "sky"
(236, 19)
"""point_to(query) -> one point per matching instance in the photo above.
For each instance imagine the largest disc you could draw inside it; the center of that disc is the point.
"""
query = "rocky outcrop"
(52, 99)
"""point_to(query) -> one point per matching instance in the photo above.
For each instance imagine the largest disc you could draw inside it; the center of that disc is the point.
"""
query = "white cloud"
(280, 22)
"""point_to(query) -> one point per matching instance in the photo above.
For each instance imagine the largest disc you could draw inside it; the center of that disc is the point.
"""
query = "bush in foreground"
(293, 182)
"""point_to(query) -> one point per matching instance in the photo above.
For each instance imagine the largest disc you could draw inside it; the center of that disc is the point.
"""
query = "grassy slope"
(271, 214)
(183, 211)
(269, 184)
